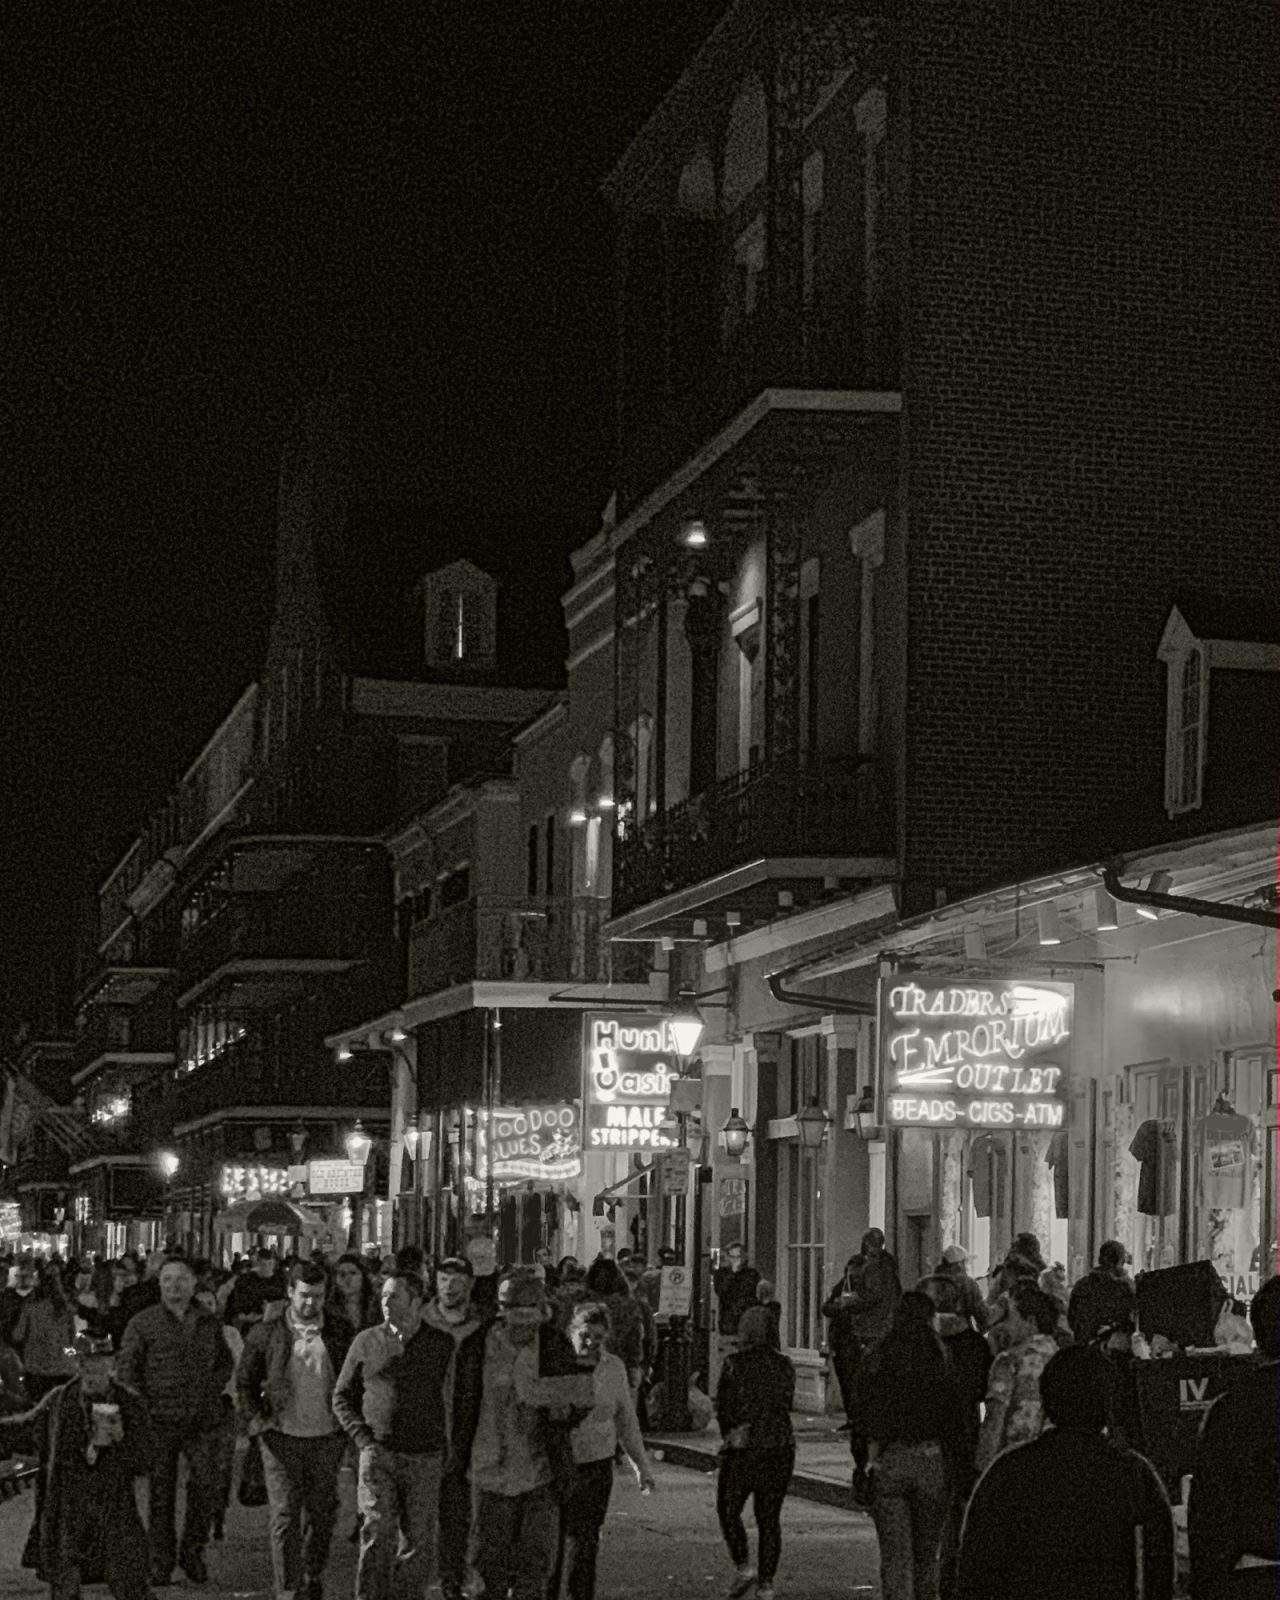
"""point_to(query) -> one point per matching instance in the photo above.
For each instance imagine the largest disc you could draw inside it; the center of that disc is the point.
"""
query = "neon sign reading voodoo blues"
(992, 1053)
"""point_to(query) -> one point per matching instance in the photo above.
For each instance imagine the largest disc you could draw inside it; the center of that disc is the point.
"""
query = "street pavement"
(664, 1544)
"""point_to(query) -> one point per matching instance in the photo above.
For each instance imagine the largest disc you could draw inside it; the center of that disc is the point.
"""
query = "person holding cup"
(93, 1437)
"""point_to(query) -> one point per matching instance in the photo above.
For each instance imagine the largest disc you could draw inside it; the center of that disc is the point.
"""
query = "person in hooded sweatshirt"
(1071, 1515)
(753, 1408)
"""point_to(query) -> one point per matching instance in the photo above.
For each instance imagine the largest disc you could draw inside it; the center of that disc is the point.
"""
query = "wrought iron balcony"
(528, 940)
(250, 1074)
(254, 945)
(831, 814)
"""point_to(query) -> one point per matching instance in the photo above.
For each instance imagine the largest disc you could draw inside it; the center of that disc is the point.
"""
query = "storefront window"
(802, 1327)
(1233, 1175)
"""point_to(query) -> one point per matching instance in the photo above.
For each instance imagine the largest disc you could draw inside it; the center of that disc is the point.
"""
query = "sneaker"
(742, 1581)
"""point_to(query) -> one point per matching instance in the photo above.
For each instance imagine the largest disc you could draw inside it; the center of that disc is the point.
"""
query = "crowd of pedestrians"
(484, 1415)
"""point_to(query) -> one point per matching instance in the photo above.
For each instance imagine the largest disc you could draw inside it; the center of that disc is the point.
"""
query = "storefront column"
(1033, 1203)
(720, 1220)
(846, 1180)
(950, 1189)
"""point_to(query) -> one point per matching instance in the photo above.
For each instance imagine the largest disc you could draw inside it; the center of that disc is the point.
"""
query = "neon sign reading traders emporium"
(628, 1064)
(987, 1054)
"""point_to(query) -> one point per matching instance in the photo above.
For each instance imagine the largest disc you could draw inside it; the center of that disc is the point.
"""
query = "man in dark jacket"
(1232, 1518)
(93, 1437)
(175, 1357)
(1105, 1297)
(254, 1291)
(1069, 1516)
(861, 1307)
(286, 1379)
(145, 1293)
(517, 1393)
(390, 1399)
(735, 1286)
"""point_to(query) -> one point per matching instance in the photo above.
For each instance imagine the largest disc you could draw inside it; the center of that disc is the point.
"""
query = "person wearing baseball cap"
(518, 1392)
(954, 1265)
(93, 1437)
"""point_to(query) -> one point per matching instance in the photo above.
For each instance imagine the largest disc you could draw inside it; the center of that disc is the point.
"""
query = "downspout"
(1257, 916)
(828, 1002)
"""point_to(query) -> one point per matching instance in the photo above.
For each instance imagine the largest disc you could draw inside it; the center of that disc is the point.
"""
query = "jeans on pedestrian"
(762, 1476)
(398, 1498)
(581, 1518)
(224, 1462)
(912, 1496)
(513, 1543)
(302, 1491)
(200, 1450)
(455, 1532)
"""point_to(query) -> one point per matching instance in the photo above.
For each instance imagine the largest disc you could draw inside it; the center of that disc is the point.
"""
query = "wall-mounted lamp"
(396, 1036)
(605, 803)
(577, 816)
(735, 1134)
(1157, 883)
(1049, 923)
(342, 1053)
(169, 1164)
(358, 1144)
(1105, 916)
(412, 1135)
(975, 945)
(811, 1124)
(686, 1028)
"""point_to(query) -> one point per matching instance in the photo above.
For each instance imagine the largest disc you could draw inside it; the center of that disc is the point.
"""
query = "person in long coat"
(89, 1529)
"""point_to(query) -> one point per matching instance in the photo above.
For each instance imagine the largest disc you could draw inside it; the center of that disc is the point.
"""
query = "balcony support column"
(784, 545)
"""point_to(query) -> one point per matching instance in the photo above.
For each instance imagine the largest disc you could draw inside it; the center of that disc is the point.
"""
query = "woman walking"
(45, 1332)
(610, 1423)
(353, 1293)
(909, 1407)
(753, 1408)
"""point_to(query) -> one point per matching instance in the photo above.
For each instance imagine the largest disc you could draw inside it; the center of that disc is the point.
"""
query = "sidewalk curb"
(804, 1485)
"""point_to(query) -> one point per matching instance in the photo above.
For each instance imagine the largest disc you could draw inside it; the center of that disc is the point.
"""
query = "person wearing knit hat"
(753, 1407)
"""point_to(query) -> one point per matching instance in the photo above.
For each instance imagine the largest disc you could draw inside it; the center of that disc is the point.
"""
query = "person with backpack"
(1233, 1527)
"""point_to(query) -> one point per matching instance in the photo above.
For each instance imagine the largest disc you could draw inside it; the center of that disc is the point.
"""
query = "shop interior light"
(687, 1026)
(975, 944)
(1157, 883)
(735, 1134)
(811, 1124)
(359, 1144)
(1048, 923)
(694, 534)
(1106, 918)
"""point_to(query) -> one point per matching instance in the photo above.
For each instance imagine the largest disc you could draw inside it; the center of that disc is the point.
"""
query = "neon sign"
(629, 1063)
(988, 1054)
(539, 1142)
(253, 1182)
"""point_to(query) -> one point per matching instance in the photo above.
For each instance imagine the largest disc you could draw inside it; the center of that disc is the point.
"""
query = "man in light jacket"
(285, 1382)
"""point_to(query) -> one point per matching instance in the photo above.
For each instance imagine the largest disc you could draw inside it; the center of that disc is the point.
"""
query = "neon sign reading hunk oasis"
(628, 1064)
(985, 1054)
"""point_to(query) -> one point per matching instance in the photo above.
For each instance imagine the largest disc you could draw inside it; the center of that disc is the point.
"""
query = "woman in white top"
(611, 1422)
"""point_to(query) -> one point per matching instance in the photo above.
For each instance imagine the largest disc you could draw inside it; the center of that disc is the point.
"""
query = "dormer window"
(1211, 641)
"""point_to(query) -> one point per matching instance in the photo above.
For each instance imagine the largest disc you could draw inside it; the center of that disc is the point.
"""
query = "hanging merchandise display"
(988, 1163)
(1226, 1142)
(1155, 1146)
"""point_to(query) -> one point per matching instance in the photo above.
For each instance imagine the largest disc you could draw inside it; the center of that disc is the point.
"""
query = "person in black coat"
(1070, 1515)
(1231, 1516)
(753, 1407)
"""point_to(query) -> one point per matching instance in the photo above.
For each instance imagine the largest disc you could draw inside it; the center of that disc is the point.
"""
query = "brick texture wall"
(1089, 392)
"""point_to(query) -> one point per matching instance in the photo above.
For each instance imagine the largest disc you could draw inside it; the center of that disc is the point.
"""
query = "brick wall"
(1089, 400)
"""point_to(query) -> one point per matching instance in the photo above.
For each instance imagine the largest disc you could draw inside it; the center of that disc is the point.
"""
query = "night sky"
(202, 204)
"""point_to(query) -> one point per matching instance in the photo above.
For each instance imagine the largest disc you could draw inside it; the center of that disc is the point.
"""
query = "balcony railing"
(525, 941)
(248, 1074)
(766, 812)
(114, 1032)
(282, 927)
